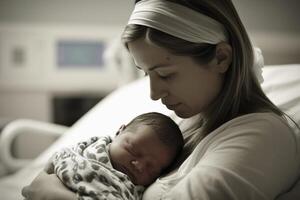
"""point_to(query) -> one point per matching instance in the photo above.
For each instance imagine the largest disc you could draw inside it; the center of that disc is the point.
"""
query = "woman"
(201, 65)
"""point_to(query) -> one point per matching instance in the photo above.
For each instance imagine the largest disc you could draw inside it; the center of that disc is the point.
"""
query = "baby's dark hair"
(166, 129)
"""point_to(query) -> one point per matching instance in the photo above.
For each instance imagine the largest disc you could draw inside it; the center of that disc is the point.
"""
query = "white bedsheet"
(282, 84)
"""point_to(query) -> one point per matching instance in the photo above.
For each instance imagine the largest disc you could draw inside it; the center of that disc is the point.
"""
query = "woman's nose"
(157, 90)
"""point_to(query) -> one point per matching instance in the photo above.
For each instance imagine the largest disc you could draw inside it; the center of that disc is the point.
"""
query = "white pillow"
(282, 86)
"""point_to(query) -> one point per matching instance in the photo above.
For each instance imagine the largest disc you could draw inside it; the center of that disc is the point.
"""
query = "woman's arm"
(47, 187)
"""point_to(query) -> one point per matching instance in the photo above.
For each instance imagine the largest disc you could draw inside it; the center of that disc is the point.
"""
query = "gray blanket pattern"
(86, 169)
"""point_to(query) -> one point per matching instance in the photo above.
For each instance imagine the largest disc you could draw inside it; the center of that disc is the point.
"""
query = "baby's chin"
(136, 180)
(119, 167)
(143, 182)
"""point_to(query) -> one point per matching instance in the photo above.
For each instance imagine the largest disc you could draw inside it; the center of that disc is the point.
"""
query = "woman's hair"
(165, 128)
(241, 92)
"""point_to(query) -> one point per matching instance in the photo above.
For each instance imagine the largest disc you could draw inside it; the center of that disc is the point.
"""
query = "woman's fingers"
(29, 191)
(46, 187)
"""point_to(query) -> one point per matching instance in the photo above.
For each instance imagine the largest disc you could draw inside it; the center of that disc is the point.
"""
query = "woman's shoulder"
(259, 121)
(251, 131)
(251, 141)
(256, 130)
(264, 125)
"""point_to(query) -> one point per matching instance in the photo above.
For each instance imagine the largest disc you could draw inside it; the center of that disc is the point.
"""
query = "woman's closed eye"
(165, 77)
(162, 74)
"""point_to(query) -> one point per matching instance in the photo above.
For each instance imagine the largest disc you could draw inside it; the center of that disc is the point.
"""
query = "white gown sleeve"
(252, 159)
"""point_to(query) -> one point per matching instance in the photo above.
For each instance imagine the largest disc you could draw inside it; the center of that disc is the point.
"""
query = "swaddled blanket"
(86, 169)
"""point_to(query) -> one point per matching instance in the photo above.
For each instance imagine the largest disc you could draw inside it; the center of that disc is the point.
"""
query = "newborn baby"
(119, 168)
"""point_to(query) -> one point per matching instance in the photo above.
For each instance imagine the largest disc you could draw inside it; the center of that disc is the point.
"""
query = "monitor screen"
(79, 53)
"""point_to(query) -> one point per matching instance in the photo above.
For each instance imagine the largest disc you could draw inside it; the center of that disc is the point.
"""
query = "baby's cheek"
(148, 178)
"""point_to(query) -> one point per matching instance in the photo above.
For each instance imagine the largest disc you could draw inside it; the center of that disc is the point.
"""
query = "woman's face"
(183, 85)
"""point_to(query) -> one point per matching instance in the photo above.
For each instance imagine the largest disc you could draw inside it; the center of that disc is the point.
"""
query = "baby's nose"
(138, 165)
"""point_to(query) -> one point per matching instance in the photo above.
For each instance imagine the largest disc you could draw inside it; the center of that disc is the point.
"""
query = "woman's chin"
(183, 114)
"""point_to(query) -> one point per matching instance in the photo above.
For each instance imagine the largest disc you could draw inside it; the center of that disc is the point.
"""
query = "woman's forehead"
(148, 55)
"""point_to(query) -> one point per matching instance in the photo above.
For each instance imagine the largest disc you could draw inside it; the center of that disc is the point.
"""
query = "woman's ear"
(223, 57)
(122, 127)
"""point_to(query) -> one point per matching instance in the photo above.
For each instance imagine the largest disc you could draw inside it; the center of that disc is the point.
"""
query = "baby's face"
(141, 155)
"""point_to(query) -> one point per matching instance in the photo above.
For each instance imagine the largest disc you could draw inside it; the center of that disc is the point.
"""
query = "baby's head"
(145, 147)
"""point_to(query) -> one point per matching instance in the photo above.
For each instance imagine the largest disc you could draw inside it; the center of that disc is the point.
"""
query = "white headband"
(178, 21)
(185, 23)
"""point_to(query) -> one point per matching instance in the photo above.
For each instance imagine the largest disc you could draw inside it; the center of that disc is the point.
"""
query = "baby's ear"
(123, 126)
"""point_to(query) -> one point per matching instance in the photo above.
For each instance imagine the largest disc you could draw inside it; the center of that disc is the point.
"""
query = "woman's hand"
(47, 187)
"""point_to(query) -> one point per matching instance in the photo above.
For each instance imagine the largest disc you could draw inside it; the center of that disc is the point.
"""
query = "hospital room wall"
(273, 25)
(32, 98)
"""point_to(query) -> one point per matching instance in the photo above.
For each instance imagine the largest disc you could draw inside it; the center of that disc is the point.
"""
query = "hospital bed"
(40, 139)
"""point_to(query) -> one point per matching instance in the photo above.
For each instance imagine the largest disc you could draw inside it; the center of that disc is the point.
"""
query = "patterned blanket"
(86, 169)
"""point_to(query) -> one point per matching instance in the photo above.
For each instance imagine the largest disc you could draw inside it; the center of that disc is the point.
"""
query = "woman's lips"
(172, 106)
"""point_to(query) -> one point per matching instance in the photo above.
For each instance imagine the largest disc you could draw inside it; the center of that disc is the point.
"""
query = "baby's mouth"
(126, 171)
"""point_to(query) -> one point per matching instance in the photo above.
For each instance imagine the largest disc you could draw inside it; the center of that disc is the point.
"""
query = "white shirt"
(252, 157)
